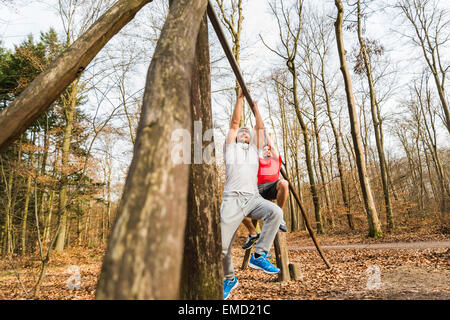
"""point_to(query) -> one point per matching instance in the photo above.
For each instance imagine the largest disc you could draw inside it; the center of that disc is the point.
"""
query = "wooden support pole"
(221, 36)
(281, 256)
(295, 272)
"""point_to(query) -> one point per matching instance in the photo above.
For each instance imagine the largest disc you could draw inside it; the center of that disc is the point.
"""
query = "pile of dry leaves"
(357, 273)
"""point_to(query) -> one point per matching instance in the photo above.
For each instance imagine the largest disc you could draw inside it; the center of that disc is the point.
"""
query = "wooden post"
(282, 257)
(295, 272)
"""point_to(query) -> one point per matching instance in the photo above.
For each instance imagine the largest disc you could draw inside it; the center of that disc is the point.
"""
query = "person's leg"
(249, 225)
(282, 192)
(253, 234)
(230, 218)
(272, 215)
(279, 191)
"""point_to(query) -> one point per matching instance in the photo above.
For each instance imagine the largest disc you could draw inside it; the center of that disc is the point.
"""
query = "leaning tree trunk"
(372, 216)
(201, 275)
(47, 87)
(144, 255)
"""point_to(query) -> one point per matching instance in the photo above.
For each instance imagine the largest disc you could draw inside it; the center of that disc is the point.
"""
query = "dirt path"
(392, 245)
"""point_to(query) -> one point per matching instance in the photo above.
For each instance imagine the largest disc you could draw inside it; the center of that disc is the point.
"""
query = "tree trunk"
(145, 249)
(48, 222)
(284, 132)
(7, 225)
(25, 215)
(372, 216)
(344, 191)
(354, 180)
(321, 167)
(308, 157)
(282, 256)
(376, 124)
(202, 272)
(11, 193)
(69, 112)
(296, 216)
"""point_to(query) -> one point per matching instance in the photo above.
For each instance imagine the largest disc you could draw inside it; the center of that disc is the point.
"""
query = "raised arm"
(273, 149)
(259, 127)
(235, 119)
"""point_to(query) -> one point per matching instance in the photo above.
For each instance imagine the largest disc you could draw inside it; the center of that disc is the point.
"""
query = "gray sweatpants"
(235, 206)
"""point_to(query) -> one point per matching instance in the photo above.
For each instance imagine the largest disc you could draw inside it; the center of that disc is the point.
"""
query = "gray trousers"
(235, 207)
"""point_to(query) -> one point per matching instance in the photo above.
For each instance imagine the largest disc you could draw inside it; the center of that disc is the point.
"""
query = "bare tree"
(372, 215)
(431, 33)
(368, 48)
(309, 68)
(232, 18)
(289, 36)
(66, 68)
(321, 45)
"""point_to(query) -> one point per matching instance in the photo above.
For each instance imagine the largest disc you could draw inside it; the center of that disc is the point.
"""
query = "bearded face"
(243, 136)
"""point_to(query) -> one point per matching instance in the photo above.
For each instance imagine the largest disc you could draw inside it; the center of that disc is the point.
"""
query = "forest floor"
(412, 264)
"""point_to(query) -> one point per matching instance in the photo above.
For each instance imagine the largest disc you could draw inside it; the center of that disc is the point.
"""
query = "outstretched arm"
(235, 119)
(273, 149)
(259, 127)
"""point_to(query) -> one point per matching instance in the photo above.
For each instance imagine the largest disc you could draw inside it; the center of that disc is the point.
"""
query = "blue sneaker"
(229, 285)
(263, 264)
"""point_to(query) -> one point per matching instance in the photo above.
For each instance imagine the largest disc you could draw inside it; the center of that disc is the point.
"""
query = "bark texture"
(377, 125)
(282, 256)
(144, 255)
(202, 272)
